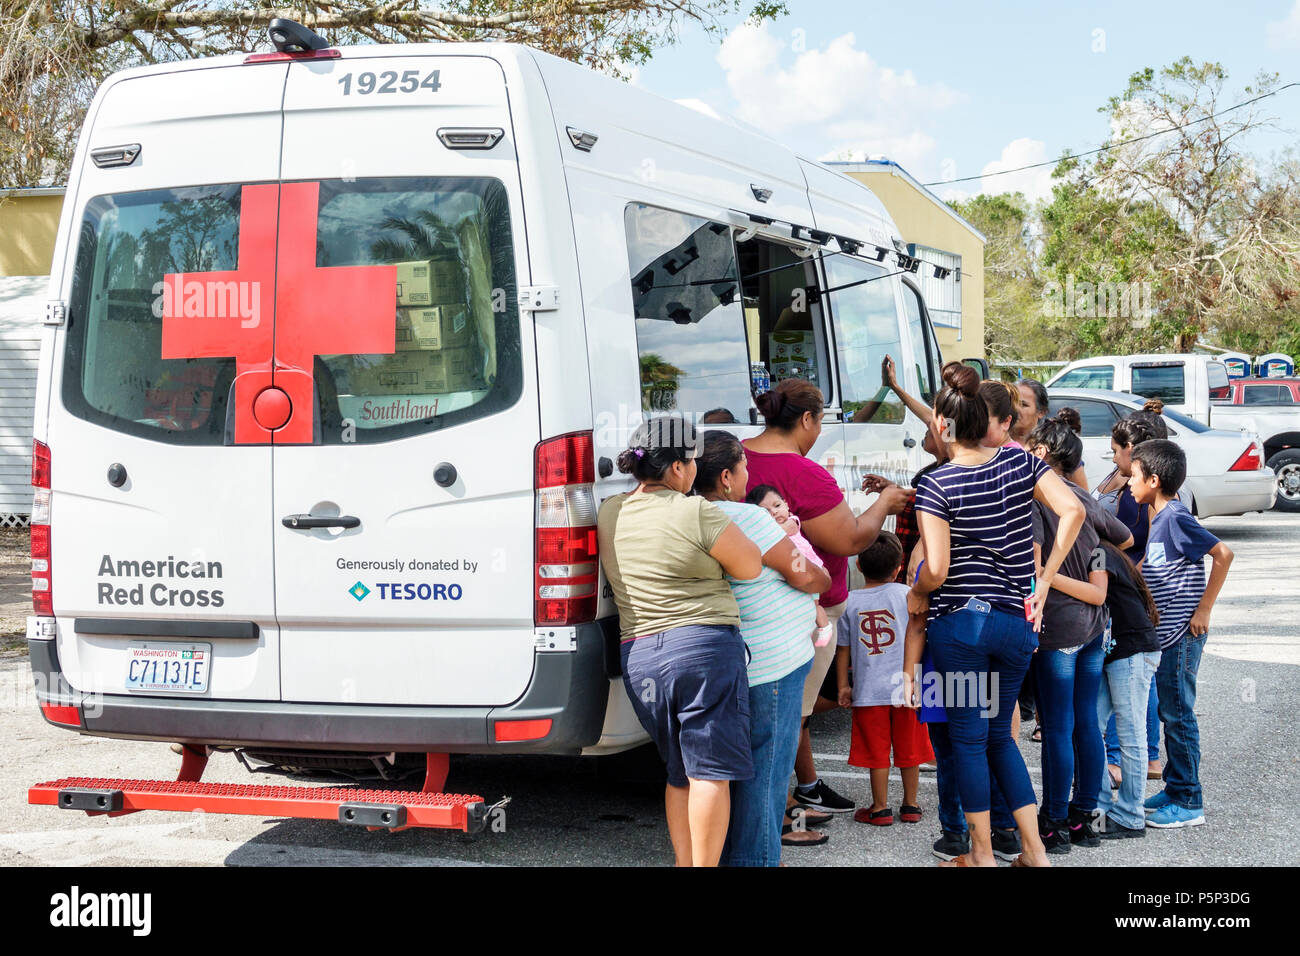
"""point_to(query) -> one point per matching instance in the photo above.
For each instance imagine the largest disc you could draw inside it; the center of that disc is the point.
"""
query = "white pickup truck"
(1198, 386)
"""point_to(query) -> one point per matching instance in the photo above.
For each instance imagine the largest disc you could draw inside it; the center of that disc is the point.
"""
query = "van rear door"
(403, 484)
(161, 523)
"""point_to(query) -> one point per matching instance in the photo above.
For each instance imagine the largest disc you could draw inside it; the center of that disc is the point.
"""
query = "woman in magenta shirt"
(792, 412)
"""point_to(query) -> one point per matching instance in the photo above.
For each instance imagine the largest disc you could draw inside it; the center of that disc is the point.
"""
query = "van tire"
(1286, 465)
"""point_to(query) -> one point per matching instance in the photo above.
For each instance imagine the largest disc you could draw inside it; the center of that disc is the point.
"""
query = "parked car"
(1198, 386)
(1225, 469)
(1269, 407)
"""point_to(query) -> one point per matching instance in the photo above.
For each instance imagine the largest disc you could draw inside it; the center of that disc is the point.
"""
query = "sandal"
(1157, 773)
(909, 813)
(962, 860)
(1037, 735)
(815, 837)
(811, 817)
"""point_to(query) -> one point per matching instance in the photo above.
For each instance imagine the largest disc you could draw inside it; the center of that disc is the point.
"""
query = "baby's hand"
(790, 526)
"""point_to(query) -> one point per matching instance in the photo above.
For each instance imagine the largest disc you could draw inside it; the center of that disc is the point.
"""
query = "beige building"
(935, 233)
(29, 219)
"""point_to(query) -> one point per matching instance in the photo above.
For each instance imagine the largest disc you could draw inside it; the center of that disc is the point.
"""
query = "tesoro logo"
(409, 591)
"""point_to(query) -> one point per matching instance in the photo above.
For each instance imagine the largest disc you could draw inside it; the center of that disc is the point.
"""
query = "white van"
(341, 348)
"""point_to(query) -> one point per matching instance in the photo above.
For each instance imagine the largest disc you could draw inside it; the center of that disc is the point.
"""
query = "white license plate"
(178, 668)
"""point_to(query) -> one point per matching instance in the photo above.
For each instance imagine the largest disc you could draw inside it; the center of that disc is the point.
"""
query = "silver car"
(1226, 474)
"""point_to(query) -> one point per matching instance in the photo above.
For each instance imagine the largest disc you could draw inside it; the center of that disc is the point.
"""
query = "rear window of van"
(456, 357)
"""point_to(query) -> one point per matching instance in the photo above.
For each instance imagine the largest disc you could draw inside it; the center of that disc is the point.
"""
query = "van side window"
(866, 330)
(925, 364)
(783, 325)
(1090, 376)
(690, 325)
(1164, 382)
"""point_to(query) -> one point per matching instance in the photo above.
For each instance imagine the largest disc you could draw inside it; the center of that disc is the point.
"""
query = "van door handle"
(320, 521)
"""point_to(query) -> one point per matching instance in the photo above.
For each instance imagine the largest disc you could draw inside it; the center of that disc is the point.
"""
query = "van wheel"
(1286, 465)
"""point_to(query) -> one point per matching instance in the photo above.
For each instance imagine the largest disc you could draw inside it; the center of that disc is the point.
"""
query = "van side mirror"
(979, 365)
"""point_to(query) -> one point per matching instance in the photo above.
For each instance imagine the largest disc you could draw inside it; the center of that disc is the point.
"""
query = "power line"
(1102, 149)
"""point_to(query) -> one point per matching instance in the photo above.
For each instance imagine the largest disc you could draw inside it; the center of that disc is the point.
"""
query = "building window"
(942, 296)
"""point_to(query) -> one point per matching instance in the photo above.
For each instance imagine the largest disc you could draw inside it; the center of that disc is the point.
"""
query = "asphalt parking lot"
(568, 811)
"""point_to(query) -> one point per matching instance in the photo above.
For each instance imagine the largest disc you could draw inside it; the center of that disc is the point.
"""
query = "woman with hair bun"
(977, 586)
(665, 556)
(792, 411)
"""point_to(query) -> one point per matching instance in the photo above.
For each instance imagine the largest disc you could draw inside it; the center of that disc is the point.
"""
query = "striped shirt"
(987, 508)
(776, 620)
(1174, 568)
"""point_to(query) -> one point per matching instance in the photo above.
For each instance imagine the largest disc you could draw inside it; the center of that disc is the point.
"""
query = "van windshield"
(455, 323)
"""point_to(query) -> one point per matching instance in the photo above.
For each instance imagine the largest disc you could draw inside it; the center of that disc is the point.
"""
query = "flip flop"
(811, 817)
(818, 837)
(1037, 735)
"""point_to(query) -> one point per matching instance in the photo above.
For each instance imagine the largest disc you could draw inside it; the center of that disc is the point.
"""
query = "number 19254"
(389, 82)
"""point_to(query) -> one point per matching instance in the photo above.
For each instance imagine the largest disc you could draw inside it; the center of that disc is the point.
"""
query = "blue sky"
(949, 88)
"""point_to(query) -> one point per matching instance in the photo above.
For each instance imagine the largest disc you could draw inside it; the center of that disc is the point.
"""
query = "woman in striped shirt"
(776, 624)
(977, 584)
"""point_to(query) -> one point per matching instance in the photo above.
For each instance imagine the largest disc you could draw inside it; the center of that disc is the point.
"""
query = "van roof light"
(761, 193)
(470, 138)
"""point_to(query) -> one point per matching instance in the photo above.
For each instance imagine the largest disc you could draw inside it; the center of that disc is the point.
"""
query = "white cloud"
(837, 95)
(1285, 34)
(1034, 183)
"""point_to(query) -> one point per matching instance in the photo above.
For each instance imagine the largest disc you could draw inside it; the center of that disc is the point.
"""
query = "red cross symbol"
(335, 310)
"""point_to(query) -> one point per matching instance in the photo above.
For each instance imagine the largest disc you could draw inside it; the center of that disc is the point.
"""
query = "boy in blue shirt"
(1174, 568)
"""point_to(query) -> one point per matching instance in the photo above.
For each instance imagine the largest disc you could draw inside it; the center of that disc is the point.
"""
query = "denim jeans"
(758, 804)
(1068, 684)
(1125, 691)
(951, 817)
(972, 645)
(1176, 689)
(1153, 732)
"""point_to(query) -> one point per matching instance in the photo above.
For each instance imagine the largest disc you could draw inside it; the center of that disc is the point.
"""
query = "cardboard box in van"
(791, 347)
(428, 282)
(434, 327)
(800, 369)
(420, 373)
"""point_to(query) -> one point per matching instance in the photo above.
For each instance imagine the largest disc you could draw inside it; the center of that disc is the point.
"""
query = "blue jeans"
(970, 646)
(1125, 690)
(951, 817)
(1153, 732)
(1067, 709)
(758, 804)
(1176, 689)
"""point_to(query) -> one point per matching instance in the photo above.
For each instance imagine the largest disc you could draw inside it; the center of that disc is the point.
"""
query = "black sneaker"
(951, 844)
(1117, 831)
(1006, 844)
(1055, 834)
(823, 798)
(1083, 830)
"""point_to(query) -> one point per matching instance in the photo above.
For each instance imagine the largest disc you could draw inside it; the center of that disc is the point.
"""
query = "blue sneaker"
(1171, 816)
(1156, 801)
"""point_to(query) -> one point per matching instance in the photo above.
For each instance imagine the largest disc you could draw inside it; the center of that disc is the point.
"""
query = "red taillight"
(565, 565)
(42, 576)
(282, 57)
(61, 714)
(507, 730)
(40, 465)
(1252, 459)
